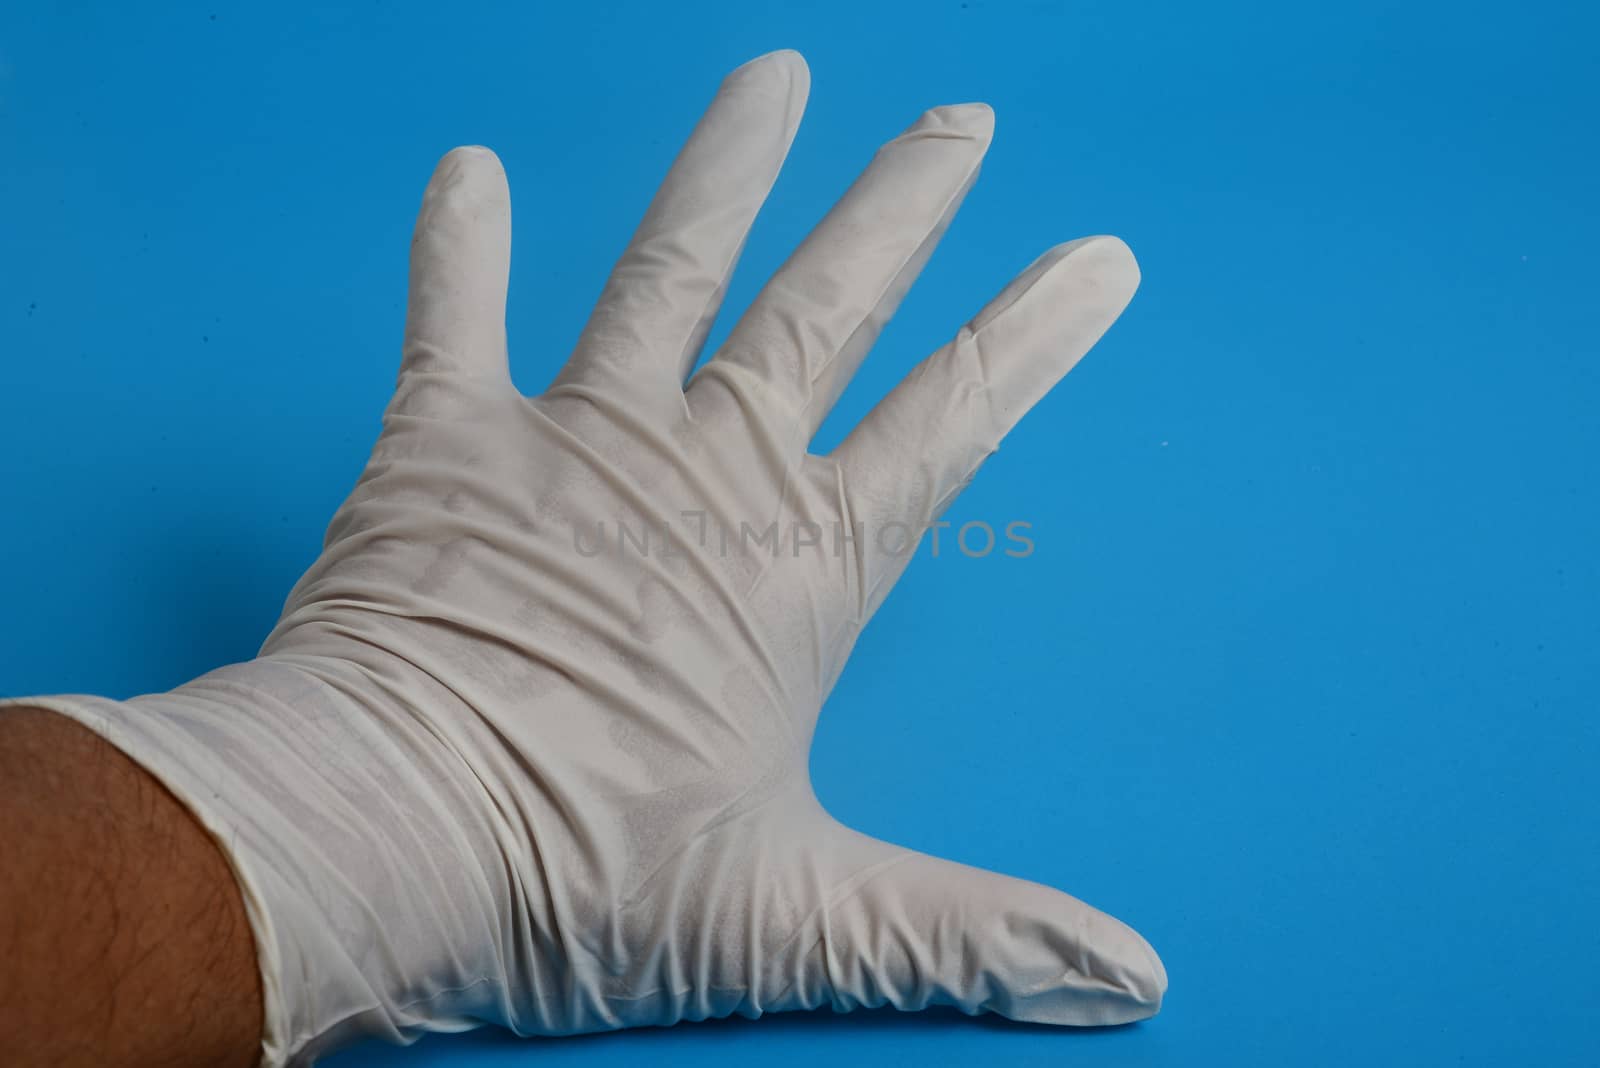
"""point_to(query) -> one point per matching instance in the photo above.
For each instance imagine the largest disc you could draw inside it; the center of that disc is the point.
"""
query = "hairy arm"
(122, 931)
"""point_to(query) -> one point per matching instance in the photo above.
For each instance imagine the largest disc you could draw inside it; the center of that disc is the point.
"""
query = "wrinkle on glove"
(529, 743)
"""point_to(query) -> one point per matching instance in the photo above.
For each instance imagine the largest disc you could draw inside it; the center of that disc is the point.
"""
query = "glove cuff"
(360, 852)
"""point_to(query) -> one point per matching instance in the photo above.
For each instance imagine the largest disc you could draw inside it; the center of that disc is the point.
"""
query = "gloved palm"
(559, 665)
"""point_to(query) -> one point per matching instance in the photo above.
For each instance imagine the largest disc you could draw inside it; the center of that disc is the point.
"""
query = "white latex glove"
(489, 769)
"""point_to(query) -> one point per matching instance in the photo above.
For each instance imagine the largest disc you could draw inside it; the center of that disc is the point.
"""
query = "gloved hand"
(529, 744)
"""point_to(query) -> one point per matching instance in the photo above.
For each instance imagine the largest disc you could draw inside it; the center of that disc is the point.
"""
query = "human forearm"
(122, 932)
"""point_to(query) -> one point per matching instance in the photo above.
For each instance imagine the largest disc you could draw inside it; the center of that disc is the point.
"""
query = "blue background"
(1302, 679)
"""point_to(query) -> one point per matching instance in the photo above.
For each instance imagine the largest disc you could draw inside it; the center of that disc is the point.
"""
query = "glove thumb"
(910, 930)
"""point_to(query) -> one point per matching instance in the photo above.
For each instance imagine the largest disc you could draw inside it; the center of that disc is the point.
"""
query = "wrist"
(363, 856)
(123, 908)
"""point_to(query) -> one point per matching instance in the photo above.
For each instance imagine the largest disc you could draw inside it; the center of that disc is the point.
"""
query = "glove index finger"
(917, 449)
